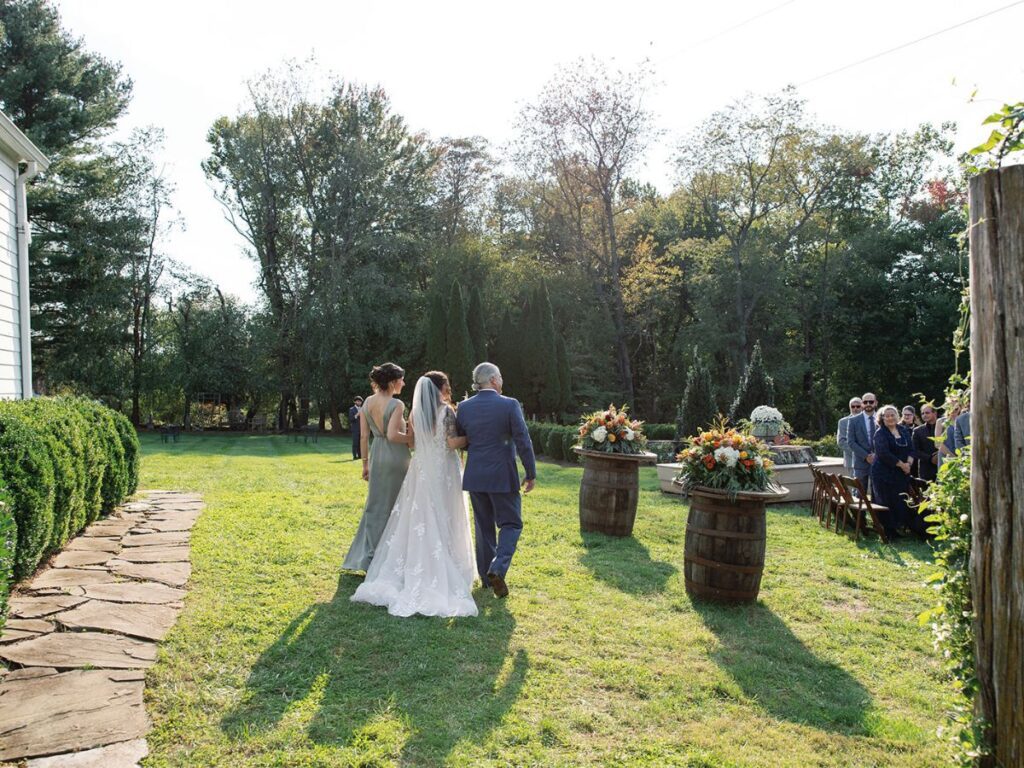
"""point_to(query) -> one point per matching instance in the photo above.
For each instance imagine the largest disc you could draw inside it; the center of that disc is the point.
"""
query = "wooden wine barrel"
(609, 491)
(725, 542)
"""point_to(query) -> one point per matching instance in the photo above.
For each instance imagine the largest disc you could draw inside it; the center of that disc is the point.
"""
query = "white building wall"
(10, 328)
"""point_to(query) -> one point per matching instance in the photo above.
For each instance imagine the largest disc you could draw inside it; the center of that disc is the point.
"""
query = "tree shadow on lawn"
(625, 564)
(780, 674)
(447, 680)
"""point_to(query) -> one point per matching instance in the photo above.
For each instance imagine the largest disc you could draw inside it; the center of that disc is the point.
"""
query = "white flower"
(758, 461)
(728, 456)
(765, 414)
(599, 434)
(630, 434)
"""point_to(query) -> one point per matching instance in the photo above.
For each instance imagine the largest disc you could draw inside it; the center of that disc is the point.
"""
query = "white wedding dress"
(424, 563)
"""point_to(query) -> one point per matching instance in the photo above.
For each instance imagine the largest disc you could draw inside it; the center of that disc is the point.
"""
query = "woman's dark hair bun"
(438, 377)
(382, 375)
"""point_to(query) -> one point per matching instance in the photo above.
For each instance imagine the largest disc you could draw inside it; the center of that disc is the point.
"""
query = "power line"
(907, 45)
(726, 31)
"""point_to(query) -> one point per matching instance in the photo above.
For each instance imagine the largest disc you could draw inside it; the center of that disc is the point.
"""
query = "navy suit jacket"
(495, 428)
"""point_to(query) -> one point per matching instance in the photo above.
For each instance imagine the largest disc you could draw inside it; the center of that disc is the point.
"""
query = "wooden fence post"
(997, 463)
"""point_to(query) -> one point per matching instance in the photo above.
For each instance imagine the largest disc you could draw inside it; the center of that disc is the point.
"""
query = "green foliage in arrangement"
(27, 472)
(698, 408)
(756, 388)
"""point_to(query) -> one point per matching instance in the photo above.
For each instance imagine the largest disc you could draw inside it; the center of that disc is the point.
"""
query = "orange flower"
(717, 444)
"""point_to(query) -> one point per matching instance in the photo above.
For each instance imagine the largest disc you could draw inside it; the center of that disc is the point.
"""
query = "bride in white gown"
(424, 563)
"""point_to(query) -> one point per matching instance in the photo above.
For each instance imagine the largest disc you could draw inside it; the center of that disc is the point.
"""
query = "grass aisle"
(597, 658)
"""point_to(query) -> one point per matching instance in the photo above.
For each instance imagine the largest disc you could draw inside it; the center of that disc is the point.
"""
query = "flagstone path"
(81, 634)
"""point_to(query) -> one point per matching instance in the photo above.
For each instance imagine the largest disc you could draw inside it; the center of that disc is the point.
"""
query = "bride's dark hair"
(439, 378)
(382, 375)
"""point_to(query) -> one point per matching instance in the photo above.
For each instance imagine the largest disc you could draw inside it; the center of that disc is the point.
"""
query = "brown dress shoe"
(498, 585)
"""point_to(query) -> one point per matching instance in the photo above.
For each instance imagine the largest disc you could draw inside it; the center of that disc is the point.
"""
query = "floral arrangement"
(612, 431)
(766, 421)
(727, 459)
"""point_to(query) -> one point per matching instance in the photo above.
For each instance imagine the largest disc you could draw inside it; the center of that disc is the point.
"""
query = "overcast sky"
(467, 68)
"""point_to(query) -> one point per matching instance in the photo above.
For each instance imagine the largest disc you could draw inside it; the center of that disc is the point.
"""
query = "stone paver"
(154, 554)
(136, 592)
(149, 622)
(70, 577)
(78, 650)
(127, 754)
(171, 574)
(82, 631)
(169, 538)
(68, 712)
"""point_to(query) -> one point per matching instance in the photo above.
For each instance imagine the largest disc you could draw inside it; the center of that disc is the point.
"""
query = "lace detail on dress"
(450, 428)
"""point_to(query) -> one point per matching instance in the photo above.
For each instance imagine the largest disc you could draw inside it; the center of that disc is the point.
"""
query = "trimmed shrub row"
(64, 461)
(8, 536)
(553, 440)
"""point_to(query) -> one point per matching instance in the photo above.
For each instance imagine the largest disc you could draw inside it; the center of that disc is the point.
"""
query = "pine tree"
(459, 353)
(565, 401)
(437, 331)
(697, 409)
(549, 392)
(526, 359)
(756, 388)
(504, 355)
(477, 331)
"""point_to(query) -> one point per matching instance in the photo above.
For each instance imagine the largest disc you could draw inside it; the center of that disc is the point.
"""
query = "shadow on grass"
(780, 674)
(625, 564)
(415, 686)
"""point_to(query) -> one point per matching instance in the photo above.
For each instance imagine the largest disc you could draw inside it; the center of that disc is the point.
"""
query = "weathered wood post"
(997, 464)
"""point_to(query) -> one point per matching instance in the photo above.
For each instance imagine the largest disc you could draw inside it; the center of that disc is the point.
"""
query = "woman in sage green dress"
(382, 425)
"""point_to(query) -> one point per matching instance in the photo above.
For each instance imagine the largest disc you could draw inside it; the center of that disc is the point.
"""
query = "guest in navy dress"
(890, 472)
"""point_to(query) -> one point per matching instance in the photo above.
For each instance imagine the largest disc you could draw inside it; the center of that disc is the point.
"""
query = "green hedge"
(660, 431)
(555, 446)
(63, 461)
(8, 538)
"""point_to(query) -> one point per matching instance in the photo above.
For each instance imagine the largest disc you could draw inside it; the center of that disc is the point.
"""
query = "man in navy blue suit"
(495, 429)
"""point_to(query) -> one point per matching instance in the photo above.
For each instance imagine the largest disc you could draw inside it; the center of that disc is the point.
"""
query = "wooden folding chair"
(865, 509)
(830, 499)
(817, 493)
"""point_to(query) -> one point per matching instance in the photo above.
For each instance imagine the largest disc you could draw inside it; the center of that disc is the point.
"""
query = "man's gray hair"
(483, 374)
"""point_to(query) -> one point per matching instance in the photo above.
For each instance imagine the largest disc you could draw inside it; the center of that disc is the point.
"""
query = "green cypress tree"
(697, 409)
(504, 355)
(565, 401)
(526, 357)
(459, 353)
(549, 391)
(756, 388)
(477, 330)
(437, 331)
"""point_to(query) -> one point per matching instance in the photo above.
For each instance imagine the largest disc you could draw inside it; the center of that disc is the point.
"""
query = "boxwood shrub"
(554, 447)
(27, 471)
(8, 538)
(570, 437)
(114, 487)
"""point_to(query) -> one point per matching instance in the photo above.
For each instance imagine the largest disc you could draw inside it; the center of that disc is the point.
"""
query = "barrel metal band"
(711, 532)
(724, 566)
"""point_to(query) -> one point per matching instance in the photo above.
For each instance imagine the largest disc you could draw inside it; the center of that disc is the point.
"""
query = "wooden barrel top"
(641, 458)
(773, 493)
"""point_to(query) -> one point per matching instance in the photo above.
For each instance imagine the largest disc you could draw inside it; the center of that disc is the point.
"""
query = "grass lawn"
(598, 657)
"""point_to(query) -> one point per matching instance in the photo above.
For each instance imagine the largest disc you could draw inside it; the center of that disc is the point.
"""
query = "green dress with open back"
(388, 464)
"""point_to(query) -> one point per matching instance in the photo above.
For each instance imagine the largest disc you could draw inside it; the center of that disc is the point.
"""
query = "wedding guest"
(962, 427)
(890, 473)
(385, 460)
(860, 435)
(909, 419)
(353, 425)
(926, 450)
(843, 437)
(946, 428)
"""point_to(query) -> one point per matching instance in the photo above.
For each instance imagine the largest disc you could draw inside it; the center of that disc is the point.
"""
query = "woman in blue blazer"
(890, 471)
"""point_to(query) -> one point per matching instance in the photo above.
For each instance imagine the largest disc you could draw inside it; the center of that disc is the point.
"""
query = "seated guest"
(909, 417)
(890, 472)
(926, 450)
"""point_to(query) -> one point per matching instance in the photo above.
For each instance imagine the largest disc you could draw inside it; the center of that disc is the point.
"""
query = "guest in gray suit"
(962, 427)
(842, 434)
(860, 434)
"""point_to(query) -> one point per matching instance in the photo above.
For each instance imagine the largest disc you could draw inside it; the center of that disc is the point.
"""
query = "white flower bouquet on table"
(766, 422)
(612, 431)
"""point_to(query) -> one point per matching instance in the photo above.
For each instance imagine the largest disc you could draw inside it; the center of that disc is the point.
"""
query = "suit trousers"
(494, 548)
(356, 447)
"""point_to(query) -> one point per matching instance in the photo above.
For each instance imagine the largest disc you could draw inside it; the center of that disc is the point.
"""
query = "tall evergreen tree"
(697, 409)
(504, 355)
(437, 332)
(565, 400)
(66, 99)
(458, 352)
(477, 330)
(546, 376)
(756, 387)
